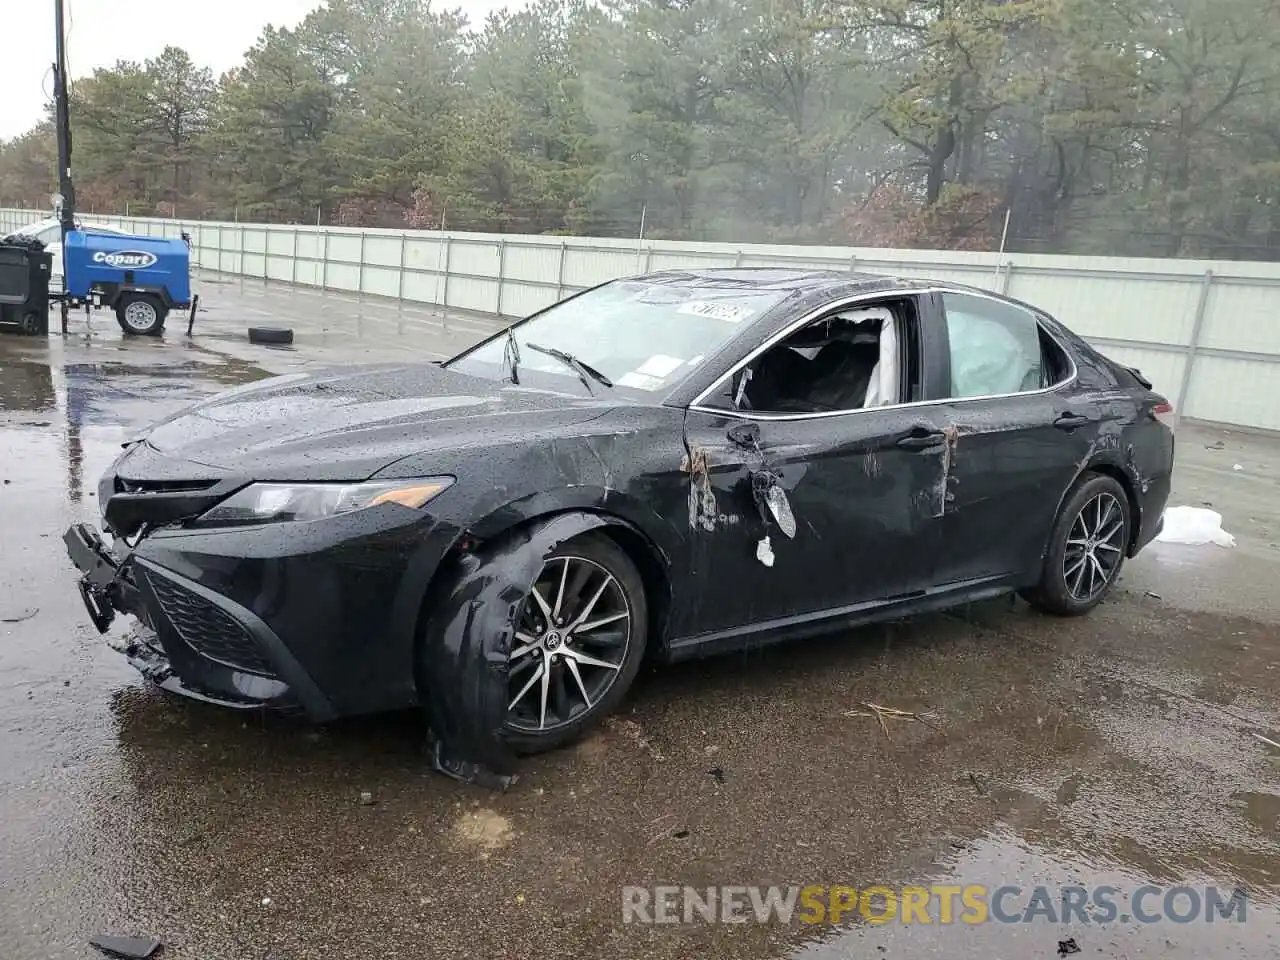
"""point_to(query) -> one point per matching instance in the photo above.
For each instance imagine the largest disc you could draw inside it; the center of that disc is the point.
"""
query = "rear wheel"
(579, 640)
(1086, 548)
(140, 313)
(33, 324)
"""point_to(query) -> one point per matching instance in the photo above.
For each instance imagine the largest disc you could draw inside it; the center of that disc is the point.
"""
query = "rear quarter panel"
(1131, 440)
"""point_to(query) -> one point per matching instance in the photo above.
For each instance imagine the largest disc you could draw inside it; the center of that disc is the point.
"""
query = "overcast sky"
(215, 32)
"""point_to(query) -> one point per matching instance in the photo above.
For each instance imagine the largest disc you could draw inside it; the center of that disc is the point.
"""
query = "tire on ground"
(33, 324)
(603, 550)
(1051, 593)
(141, 314)
(274, 335)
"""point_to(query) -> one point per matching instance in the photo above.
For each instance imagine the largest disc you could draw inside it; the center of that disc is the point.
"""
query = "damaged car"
(659, 467)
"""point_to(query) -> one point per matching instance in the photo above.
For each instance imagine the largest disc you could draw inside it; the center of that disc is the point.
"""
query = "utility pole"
(62, 108)
(63, 119)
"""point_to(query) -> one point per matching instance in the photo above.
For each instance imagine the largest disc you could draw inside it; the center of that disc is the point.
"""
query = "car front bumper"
(321, 620)
(206, 646)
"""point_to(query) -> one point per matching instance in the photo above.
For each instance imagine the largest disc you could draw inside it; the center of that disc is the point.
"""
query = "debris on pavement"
(1194, 526)
(484, 831)
(1237, 467)
(1066, 947)
(134, 948)
(717, 774)
(1269, 743)
(366, 799)
(880, 713)
(635, 733)
(18, 619)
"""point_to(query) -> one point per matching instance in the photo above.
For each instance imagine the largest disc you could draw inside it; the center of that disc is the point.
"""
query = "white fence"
(1207, 333)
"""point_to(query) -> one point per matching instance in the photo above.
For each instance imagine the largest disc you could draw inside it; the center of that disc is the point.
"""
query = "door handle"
(921, 438)
(1069, 421)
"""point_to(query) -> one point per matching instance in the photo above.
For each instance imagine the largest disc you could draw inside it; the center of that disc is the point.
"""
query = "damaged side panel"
(1007, 463)
(793, 517)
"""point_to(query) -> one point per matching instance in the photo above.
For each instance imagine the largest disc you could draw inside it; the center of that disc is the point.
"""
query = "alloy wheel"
(570, 644)
(140, 315)
(1095, 547)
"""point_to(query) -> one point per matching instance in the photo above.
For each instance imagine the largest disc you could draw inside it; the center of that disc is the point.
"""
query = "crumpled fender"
(471, 628)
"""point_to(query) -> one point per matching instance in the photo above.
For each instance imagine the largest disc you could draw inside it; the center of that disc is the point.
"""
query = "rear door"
(1020, 430)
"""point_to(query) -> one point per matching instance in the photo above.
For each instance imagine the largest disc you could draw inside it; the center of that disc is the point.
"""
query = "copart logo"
(128, 259)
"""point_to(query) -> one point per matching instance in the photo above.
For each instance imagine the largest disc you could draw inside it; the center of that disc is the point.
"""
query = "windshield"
(640, 336)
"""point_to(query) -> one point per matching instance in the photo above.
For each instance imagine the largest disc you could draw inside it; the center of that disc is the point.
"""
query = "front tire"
(1086, 548)
(140, 314)
(580, 637)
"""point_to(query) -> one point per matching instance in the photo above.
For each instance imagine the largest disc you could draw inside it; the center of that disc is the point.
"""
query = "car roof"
(758, 278)
(810, 282)
(791, 279)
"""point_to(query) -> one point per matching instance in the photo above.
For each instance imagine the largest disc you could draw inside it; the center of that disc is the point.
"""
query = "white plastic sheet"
(1194, 526)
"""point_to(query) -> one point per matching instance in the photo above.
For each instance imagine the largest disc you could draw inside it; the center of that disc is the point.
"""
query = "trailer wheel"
(140, 313)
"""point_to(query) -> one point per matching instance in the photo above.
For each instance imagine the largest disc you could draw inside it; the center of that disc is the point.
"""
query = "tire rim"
(1094, 547)
(571, 640)
(140, 315)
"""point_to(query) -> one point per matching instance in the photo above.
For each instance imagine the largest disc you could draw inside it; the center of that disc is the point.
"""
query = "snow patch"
(1194, 525)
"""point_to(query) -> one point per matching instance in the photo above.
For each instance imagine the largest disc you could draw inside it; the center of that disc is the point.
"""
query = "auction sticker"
(716, 310)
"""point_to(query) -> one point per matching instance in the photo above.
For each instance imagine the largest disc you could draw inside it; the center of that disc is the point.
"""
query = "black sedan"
(664, 466)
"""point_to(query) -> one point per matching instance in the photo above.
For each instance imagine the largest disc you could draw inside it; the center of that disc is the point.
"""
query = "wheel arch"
(640, 548)
(1101, 463)
(463, 631)
(1109, 468)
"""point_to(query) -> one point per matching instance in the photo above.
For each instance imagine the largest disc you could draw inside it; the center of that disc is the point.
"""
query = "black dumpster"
(24, 285)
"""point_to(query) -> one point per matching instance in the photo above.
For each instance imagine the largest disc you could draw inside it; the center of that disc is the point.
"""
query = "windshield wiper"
(581, 369)
(511, 354)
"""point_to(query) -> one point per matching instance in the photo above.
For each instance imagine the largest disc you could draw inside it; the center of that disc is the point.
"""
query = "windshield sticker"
(641, 381)
(659, 365)
(717, 310)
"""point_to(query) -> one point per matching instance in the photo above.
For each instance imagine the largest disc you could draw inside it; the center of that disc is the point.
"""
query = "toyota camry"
(663, 466)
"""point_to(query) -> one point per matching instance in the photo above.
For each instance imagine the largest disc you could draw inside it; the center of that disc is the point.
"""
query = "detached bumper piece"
(208, 647)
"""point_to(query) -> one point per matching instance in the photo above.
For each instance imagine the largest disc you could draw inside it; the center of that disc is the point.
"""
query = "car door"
(1020, 428)
(851, 525)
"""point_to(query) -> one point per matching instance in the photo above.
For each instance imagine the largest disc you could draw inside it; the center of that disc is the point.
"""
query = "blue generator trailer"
(140, 278)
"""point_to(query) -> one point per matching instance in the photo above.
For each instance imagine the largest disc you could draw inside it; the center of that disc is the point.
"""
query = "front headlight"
(282, 502)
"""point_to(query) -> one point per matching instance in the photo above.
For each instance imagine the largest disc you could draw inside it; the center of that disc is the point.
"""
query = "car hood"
(347, 424)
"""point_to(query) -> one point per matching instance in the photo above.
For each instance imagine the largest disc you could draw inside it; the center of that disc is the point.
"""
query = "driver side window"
(850, 359)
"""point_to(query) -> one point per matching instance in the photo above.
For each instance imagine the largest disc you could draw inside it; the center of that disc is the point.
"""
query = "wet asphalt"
(1121, 748)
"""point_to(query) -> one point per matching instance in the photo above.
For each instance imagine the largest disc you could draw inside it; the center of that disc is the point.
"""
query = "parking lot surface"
(1134, 746)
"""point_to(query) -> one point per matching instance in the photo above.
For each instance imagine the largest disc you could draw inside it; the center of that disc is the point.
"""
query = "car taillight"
(1164, 413)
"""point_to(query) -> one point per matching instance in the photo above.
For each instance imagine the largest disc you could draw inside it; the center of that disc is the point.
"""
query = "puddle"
(1106, 909)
